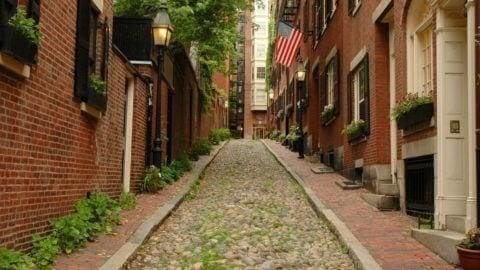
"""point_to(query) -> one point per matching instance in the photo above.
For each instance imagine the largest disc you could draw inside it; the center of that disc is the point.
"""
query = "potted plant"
(469, 250)
(355, 129)
(413, 110)
(20, 37)
(293, 137)
(96, 92)
(328, 113)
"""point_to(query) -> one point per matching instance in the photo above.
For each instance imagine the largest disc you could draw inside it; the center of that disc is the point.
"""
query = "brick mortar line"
(361, 256)
(143, 232)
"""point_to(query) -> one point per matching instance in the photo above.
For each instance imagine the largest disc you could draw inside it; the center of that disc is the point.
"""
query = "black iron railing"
(419, 185)
(133, 36)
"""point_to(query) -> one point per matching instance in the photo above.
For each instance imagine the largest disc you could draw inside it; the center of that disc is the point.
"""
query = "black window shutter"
(34, 10)
(106, 49)
(336, 83)
(7, 9)
(351, 6)
(367, 92)
(82, 47)
(350, 98)
(329, 10)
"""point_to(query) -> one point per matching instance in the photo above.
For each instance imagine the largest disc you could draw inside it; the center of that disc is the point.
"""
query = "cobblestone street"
(246, 213)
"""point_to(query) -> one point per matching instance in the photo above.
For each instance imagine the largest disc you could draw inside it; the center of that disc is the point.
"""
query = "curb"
(362, 258)
(122, 256)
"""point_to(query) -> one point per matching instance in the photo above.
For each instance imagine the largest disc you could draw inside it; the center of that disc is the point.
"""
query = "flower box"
(355, 130)
(97, 100)
(417, 115)
(13, 43)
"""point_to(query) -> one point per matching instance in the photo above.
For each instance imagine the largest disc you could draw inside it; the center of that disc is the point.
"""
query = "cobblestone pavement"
(246, 213)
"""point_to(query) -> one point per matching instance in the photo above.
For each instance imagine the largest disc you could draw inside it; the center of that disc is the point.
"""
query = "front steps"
(440, 242)
(321, 169)
(386, 196)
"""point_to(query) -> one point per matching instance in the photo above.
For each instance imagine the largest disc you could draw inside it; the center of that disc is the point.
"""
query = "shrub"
(105, 212)
(152, 180)
(218, 135)
(181, 165)
(127, 200)
(14, 260)
(355, 128)
(72, 232)
(294, 134)
(410, 102)
(44, 251)
(170, 175)
(201, 148)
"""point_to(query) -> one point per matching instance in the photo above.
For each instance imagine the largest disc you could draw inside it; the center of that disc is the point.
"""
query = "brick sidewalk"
(386, 235)
(95, 254)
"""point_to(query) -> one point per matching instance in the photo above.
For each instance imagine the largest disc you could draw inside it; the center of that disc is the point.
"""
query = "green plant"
(182, 164)
(72, 232)
(355, 128)
(472, 241)
(294, 134)
(127, 200)
(410, 102)
(282, 138)
(105, 211)
(44, 251)
(170, 175)
(27, 26)
(14, 260)
(328, 112)
(97, 84)
(201, 148)
(152, 180)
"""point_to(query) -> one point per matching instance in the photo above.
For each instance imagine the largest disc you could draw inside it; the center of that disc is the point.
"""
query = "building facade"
(363, 60)
(61, 136)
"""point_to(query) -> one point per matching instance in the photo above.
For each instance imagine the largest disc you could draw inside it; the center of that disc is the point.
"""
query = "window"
(12, 41)
(359, 85)
(90, 44)
(261, 51)
(324, 10)
(353, 6)
(425, 65)
(260, 72)
(328, 82)
(318, 23)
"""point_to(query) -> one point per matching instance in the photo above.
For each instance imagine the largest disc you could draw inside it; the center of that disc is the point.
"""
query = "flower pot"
(469, 259)
(420, 114)
(13, 43)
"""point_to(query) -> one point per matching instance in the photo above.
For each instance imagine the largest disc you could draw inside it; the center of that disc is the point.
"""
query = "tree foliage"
(209, 25)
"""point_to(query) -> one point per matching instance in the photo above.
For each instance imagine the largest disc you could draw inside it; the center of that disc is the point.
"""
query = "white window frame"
(357, 97)
(330, 77)
(256, 73)
(358, 3)
(423, 60)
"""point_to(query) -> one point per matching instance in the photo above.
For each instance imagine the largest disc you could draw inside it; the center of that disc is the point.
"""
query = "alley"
(246, 213)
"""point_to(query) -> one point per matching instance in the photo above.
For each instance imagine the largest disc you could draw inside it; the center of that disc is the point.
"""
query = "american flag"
(287, 43)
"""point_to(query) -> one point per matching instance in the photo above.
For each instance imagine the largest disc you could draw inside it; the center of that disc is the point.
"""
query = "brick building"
(59, 138)
(363, 58)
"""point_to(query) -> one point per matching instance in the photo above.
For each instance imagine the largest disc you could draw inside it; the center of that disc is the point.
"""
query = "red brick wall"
(50, 153)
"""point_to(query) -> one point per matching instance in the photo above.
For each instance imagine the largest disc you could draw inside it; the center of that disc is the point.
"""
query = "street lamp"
(162, 34)
(300, 74)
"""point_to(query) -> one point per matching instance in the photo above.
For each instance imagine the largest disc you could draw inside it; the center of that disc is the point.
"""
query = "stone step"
(382, 202)
(388, 189)
(321, 169)
(440, 242)
(348, 185)
(455, 223)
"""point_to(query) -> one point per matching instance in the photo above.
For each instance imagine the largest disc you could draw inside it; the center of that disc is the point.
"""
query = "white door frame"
(127, 160)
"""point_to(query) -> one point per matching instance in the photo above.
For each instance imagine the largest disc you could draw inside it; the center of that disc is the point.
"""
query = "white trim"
(98, 5)
(136, 62)
(358, 58)
(331, 54)
(127, 161)
(380, 10)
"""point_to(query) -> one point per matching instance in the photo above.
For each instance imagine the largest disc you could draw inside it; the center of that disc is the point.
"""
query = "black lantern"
(162, 28)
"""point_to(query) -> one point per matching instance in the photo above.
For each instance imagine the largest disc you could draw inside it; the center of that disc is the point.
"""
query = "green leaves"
(14, 260)
(97, 84)
(410, 102)
(44, 251)
(127, 200)
(27, 26)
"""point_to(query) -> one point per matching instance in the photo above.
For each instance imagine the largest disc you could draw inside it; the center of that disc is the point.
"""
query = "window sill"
(98, 5)
(14, 65)
(90, 110)
(358, 140)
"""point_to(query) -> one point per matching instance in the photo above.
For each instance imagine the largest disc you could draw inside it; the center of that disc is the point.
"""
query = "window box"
(417, 115)
(97, 100)
(13, 43)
